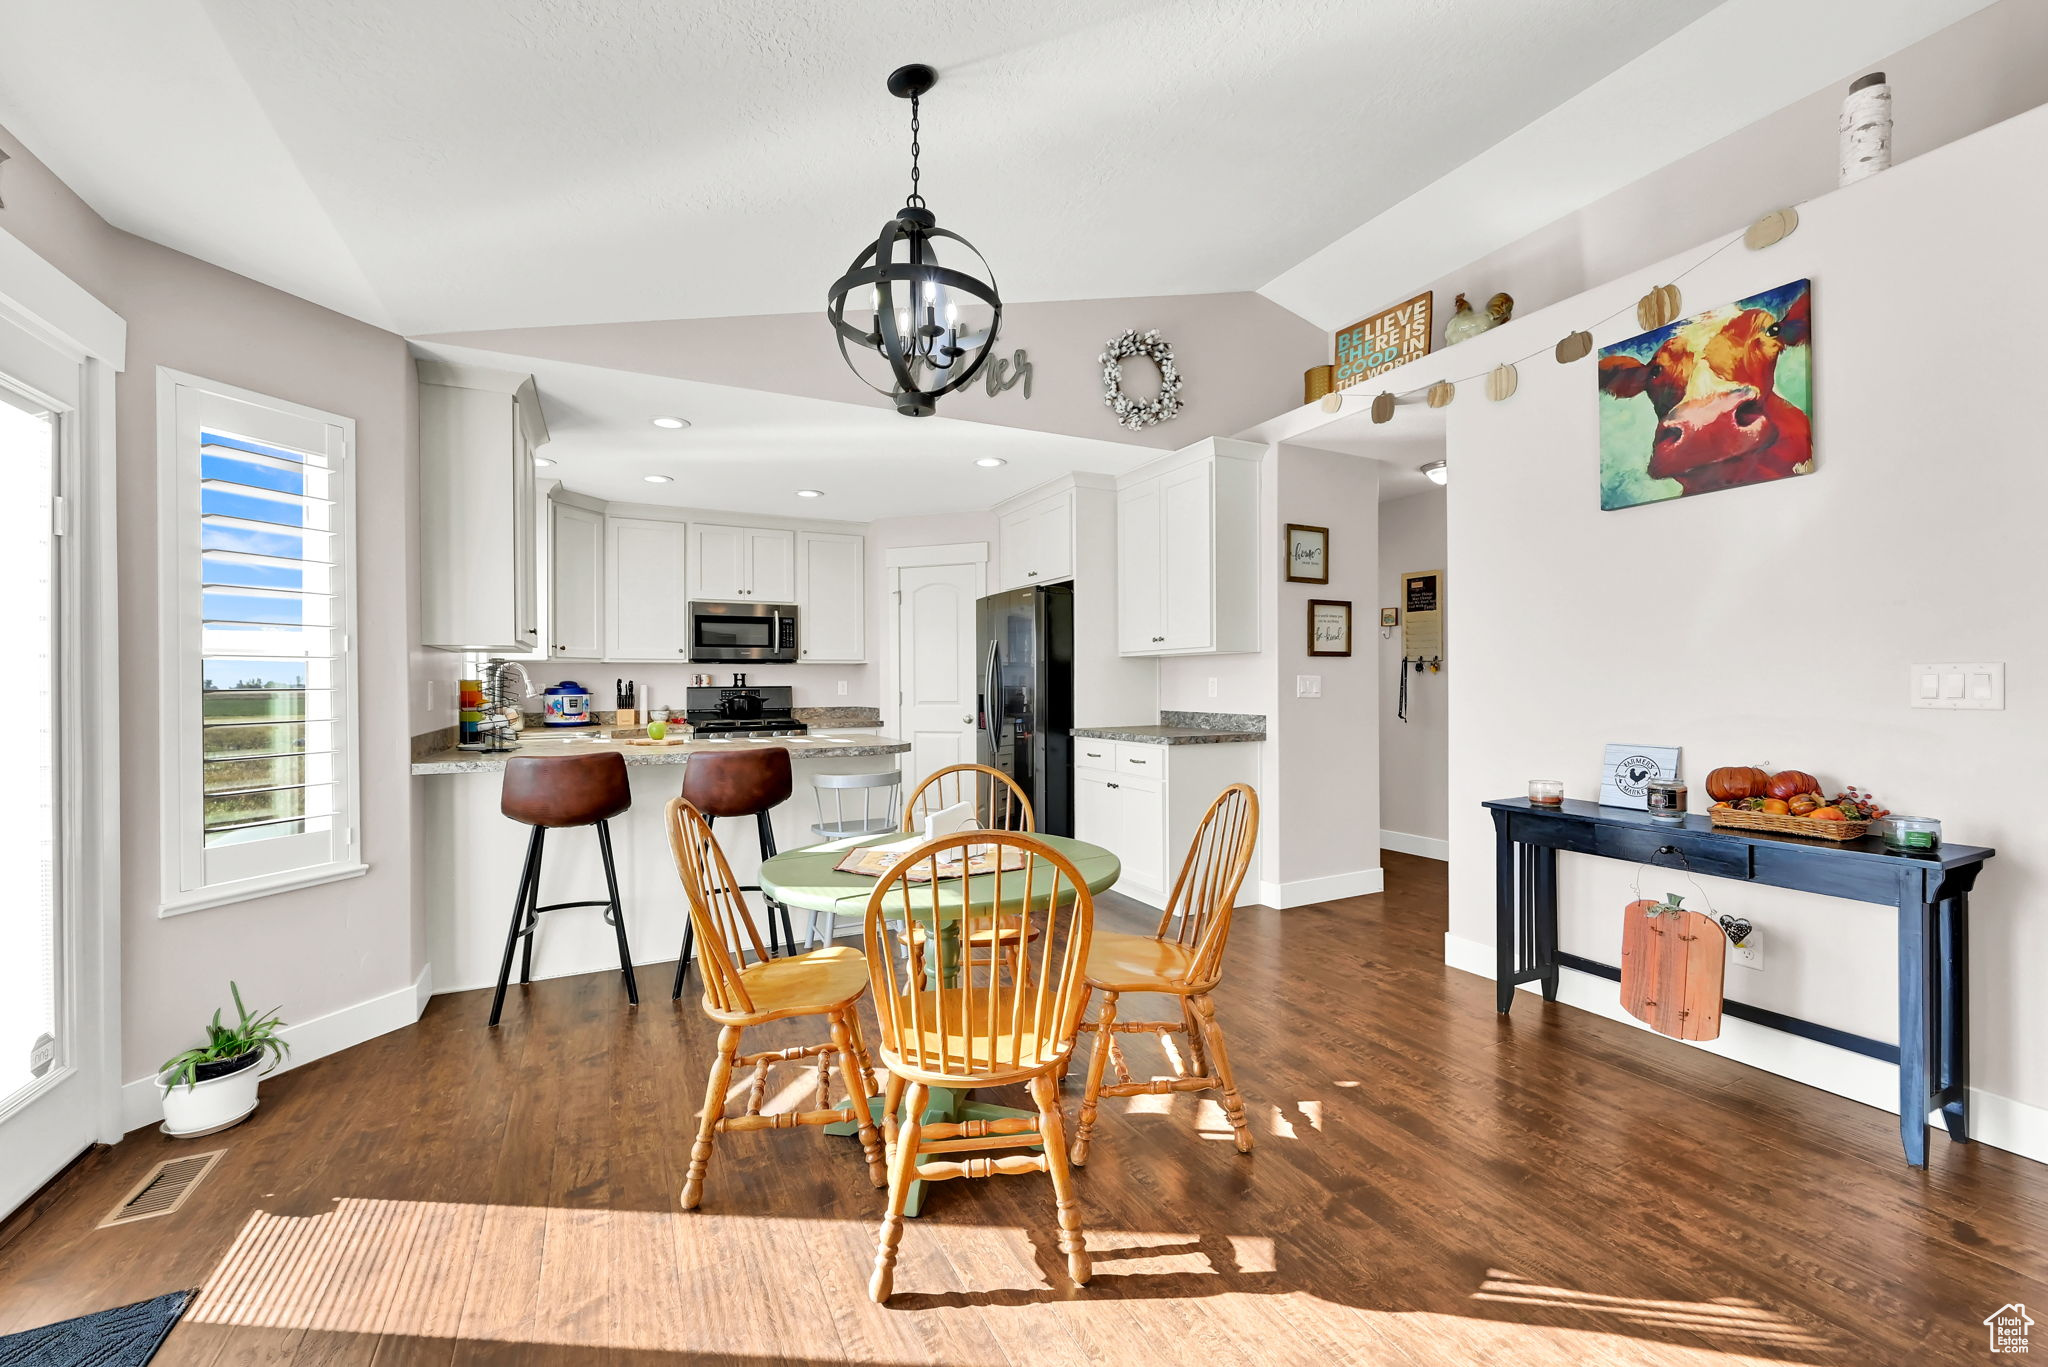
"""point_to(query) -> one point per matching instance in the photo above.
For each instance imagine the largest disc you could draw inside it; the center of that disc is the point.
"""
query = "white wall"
(317, 951)
(1778, 621)
(1415, 754)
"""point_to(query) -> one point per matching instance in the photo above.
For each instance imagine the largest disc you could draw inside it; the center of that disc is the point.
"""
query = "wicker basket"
(1788, 825)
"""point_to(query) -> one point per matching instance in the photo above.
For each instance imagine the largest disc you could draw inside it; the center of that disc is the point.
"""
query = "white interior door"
(52, 1069)
(935, 665)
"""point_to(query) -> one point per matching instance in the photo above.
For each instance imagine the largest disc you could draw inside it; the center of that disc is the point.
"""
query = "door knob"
(967, 721)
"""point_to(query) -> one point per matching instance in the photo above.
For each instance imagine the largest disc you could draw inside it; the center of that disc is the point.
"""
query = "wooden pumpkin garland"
(1773, 228)
(1660, 306)
(1333, 403)
(1383, 407)
(1575, 347)
(1441, 393)
(1501, 381)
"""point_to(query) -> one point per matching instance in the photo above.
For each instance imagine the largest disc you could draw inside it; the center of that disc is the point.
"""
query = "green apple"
(657, 730)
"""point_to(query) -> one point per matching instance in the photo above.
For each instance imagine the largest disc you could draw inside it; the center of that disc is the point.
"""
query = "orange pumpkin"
(1737, 781)
(1790, 783)
(1776, 807)
(1828, 814)
(1806, 804)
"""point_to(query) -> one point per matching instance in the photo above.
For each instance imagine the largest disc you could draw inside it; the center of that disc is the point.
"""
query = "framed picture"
(1390, 617)
(1308, 554)
(1329, 627)
(1672, 425)
(1383, 341)
(1626, 771)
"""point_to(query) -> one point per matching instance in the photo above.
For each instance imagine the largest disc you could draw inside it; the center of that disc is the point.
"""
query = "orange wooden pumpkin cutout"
(1673, 963)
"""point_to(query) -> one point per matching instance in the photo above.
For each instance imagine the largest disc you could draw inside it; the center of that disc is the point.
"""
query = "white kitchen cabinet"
(831, 598)
(728, 564)
(647, 612)
(1143, 803)
(479, 538)
(576, 580)
(1187, 552)
(1035, 540)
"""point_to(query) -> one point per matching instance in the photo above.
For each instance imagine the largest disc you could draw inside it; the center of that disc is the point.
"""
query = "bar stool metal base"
(526, 912)
(766, 830)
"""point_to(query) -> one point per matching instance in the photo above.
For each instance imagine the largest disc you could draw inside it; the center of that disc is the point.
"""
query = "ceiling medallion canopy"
(910, 324)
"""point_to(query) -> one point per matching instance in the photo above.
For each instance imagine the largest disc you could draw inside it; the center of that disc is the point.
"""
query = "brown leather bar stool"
(551, 793)
(739, 782)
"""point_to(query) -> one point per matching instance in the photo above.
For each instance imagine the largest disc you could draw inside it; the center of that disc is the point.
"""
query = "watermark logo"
(2008, 1325)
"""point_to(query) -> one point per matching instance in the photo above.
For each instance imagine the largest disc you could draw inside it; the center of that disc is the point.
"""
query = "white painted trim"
(1426, 846)
(221, 894)
(422, 990)
(310, 1040)
(953, 553)
(1304, 892)
(1998, 1121)
(59, 307)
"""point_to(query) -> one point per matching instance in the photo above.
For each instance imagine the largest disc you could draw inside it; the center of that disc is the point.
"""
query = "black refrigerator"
(1025, 720)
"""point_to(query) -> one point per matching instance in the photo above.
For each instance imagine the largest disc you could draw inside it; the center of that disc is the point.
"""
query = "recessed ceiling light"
(810, 493)
(991, 462)
(659, 479)
(1439, 471)
(671, 423)
(542, 461)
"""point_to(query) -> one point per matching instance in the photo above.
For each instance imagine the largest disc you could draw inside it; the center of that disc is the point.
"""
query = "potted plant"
(214, 1086)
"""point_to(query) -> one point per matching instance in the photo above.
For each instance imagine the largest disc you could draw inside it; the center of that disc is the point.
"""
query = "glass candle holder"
(1546, 792)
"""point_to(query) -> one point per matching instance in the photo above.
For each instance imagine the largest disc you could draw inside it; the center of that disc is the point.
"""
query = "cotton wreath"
(1131, 412)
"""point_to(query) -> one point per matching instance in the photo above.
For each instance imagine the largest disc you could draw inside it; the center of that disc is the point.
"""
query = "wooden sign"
(1422, 615)
(1673, 969)
(1383, 341)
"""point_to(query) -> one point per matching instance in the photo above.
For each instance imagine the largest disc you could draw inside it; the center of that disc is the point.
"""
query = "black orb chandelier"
(928, 325)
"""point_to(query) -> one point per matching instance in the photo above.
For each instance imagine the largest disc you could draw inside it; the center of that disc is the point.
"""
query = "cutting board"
(1672, 967)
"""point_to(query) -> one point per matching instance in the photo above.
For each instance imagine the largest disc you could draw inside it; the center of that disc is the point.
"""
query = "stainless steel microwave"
(754, 633)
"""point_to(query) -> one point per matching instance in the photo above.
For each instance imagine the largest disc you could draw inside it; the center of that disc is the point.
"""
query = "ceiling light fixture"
(672, 424)
(912, 301)
(810, 493)
(1439, 471)
(991, 462)
(542, 462)
(659, 479)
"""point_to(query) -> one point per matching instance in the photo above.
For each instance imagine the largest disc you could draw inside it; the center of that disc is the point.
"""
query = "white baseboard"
(1427, 846)
(1304, 892)
(1998, 1121)
(316, 1038)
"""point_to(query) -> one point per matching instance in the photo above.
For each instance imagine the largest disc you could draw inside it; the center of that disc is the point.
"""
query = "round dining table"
(809, 880)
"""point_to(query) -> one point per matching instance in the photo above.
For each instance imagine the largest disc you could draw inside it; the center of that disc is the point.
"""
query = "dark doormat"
(124, 1337)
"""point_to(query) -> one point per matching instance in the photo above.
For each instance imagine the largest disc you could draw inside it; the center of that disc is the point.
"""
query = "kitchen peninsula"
(472, 854)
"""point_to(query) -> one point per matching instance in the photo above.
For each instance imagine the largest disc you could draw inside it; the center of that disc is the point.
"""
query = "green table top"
(805, 879)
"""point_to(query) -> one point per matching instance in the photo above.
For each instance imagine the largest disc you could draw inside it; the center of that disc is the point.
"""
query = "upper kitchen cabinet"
(479, 429)
(1188, 552)
(831, 598)
(731, 563)
(576, 578)
(647, 609)
(1035, 539)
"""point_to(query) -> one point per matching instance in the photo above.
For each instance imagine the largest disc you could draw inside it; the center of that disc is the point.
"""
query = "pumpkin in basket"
(1737, 781)
(1790, 783)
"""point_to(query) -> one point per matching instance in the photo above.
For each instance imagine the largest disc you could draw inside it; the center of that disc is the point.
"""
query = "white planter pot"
(211, 1105)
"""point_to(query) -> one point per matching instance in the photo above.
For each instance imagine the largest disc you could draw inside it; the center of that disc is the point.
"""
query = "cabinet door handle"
(1112, 785)
(1158, 638)
(1136, 761)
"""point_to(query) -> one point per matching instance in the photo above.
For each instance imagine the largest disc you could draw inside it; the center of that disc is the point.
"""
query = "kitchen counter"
(1166, 735)
(816, 745)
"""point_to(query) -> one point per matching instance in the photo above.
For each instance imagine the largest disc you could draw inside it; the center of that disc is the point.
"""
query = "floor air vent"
(163, 1190)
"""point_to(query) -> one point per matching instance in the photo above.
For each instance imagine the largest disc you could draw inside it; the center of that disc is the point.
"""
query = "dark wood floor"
(1433, 1184)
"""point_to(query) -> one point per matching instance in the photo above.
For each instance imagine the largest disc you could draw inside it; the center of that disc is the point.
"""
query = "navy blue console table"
(1931, 892)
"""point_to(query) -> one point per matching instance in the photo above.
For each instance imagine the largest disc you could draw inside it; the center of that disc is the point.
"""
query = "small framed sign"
(1308, 554)
(1626, 771)
(1390, 617)
(1383, 341)
(1329, 627)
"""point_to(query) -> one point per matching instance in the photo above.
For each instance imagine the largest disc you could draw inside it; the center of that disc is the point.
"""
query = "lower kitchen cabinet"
(1143, 803)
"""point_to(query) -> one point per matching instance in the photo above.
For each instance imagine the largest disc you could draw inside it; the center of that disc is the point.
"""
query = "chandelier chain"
(914, 198)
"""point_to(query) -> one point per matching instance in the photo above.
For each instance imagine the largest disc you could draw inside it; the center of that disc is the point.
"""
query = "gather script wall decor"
(1308, 554)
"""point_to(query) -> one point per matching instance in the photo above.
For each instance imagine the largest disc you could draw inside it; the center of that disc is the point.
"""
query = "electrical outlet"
(1212, 687)
(1750, 953)
(1308, 685)
(842, 688)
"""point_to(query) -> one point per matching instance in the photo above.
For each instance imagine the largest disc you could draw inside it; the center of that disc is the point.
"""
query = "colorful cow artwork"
(1715, 401)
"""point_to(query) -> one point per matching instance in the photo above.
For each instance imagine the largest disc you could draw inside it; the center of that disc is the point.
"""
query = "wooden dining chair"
(738, 995)
(999, 805)
(947, 1030)
(1184, 959)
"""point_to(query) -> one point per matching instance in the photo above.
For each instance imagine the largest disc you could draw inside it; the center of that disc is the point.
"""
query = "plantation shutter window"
(259, 694)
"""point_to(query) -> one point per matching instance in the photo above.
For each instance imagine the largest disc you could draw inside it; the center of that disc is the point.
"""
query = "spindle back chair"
(999, 803)
(941, 1028)
(1184, 959)
(738, 995)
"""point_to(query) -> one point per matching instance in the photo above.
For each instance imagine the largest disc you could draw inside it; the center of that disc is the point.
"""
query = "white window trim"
(178, 651)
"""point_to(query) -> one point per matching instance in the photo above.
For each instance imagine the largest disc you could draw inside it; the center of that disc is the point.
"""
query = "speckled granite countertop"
(816, 745)
(838, 716)
(1166, 735)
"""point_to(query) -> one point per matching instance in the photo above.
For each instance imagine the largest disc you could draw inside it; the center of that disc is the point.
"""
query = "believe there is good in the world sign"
(1383, 341)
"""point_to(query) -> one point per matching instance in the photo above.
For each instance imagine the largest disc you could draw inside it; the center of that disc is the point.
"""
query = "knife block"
(626, 716)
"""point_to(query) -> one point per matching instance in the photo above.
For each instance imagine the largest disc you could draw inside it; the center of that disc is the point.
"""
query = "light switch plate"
(1308, 685)
(842, 688)
(1978, 687)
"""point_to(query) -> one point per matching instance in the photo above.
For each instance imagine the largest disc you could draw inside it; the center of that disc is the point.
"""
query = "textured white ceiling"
(459, 164)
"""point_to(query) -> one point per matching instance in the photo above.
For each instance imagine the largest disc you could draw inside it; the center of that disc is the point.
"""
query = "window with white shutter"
(259, 688)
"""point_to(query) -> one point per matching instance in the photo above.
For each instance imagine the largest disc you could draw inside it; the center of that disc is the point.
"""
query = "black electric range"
(750, 711)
